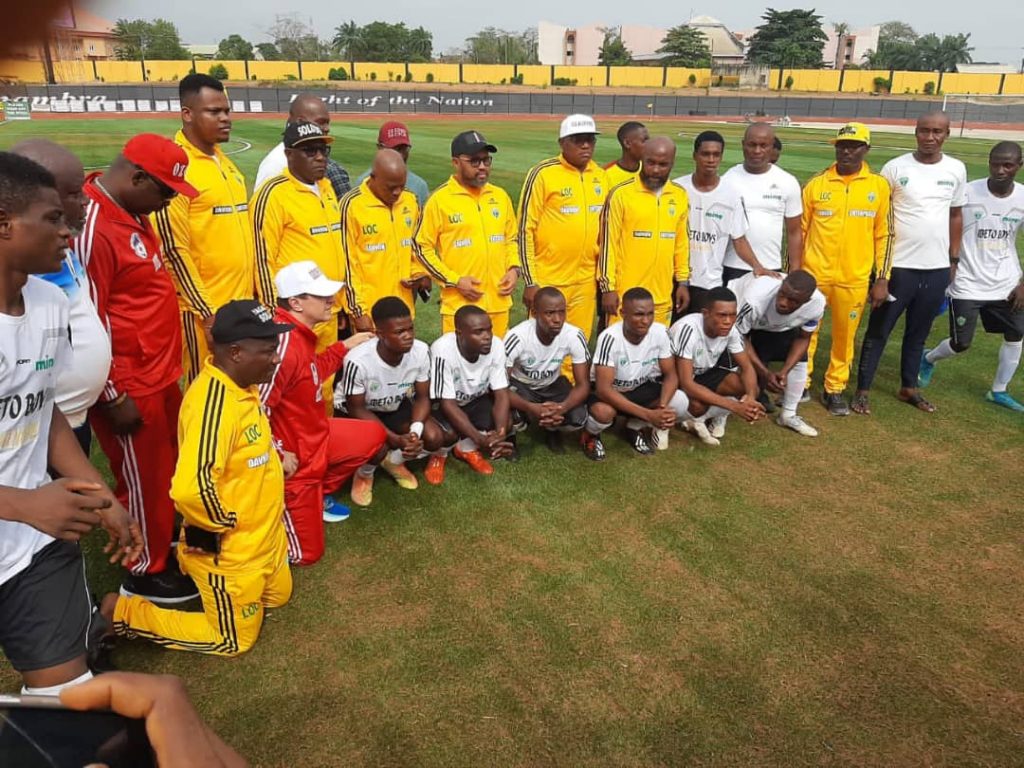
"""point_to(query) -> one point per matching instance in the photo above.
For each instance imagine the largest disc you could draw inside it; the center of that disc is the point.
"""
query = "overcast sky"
(995, 27)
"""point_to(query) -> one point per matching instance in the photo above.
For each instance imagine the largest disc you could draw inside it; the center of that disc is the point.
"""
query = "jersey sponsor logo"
(16, 406)
(595, 208)
(872, 197)
(566, 192)
(568, 209)
(135, 241)
(704, 237)
(668, 235)
(258, 461)
(497, 238)
(465, 242)
(824, 212)
(250, 610)
(369, 229)
(714, 215)
(252, 433)
(454, 218)
(772, 196)
(336, 227)
(23, 360)
(860, 213)
(903, 181)
(945, 183)
(825, 197)
(983, 234)
(643, 233)
(319, 230)
(406, 241)
(671, 208)
(495, 213)
(45, 364)
(374, 247)
(220, 210)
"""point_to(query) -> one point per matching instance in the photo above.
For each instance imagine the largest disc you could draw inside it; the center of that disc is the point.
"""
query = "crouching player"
(469, 385)
(388, 382)
(534, 353)
(776, 320)
(714, 370)
(634, 375)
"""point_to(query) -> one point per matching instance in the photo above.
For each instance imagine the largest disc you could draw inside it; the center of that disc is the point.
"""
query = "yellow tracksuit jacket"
(559, 217)
(645, 240)
(377, 242)
(617, 174)
(468, 232)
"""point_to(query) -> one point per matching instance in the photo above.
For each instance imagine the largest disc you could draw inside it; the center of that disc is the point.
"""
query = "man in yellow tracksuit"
(207, 240)
(645, 240)
(229, 488)
(295, 217)
(559, 218)
(847, 227)
(378, 219)
(466, 239)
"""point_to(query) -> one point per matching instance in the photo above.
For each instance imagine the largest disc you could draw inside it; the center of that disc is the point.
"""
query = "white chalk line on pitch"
(246, 146)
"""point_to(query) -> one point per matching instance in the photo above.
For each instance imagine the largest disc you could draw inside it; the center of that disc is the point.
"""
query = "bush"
(789, 82)
(430, 77)
(881, 84)
(563, 81)
(929, 88)
(290, 77)
(408, 77)
(337, 73)
(373, 75)
(516, 80)
(692, 79)
(219, 71)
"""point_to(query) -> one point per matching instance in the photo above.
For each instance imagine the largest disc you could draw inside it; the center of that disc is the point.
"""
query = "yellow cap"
(853, 132)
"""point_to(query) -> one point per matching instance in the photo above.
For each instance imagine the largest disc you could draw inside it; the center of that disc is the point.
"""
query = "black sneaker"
(834, 402)
(99, 642)
(593, 446)
(553, 440)
(763, 399)
(165, 588)
(640, 442)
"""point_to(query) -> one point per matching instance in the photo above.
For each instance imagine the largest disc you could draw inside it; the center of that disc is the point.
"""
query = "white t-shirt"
(755, 297)
(634, 364)
(922, 194)
(989, 265)
(385, 386)
(34, 352)
(274, 164)
(453, 377)
(716, 217)
(767, 199)
(535, 365)
(691, 343)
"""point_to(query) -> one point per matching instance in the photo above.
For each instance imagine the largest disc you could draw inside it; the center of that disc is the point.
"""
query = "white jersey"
(716, 218)
(535, 365)
(989, 265)
(453, 377)
(274, 164)
(755, 297)
(691, 343)
(767, 200)
(384, 386)
(634, 364)
(922, 194)
(34, 352)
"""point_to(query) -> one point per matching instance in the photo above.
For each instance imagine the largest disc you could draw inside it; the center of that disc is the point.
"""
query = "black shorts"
(732, 273)
(398, 420)
(713, 377)
(45, 609)
(555, 392)
(479, 411)
(996, 317)
(773, 347)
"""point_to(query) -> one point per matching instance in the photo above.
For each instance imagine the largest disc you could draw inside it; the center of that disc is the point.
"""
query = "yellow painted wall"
(443, 73)
(236, 68)
(535, 74)
(273, 70)
(318, 70)
(487, 73)
(589, 76)
(679, 77)
(25, 71)
(120, 71)
(68, 72)
(820, 80)
(912, 82)
(636, 77)
(954, 82)
(862, 80)
(168, 71)
(385, 71)
(1014, 84)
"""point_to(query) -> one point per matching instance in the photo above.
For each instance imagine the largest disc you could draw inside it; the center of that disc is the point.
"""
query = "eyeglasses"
(165, 192)
(477, 162)
(582, 139)
(315, 149)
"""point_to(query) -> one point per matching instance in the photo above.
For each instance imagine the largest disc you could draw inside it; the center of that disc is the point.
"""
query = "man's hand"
(495, 445)
(528, 293)
(1016, 298)
(879, 292)
(65, 509)
(124, 417)
(682, 298)
(289, 463)
(551, 415)
(410, 444)
(760, 271)
(776, 382)
(356, 339)
(661, 418)
(748, 409)
(467, 286)
(508, 282)
(610, 303)
(362, 324)
(126, 542)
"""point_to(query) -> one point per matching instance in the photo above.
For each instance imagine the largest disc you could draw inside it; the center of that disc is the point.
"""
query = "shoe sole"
(1014, 409)
(335, 518)
(158, 600)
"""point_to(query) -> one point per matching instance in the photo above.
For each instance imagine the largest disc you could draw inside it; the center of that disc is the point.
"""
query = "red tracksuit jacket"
(133, 294)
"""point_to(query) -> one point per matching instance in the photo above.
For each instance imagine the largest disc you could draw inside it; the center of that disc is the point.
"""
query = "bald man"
(306, 108)
(771, 200)
(81, 382)
(378, 219)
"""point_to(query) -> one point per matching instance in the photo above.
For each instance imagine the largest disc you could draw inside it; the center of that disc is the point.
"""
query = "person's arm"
(172, 225)
(507, 284)
(608, 255)
(681, 260)
(500, 414)
(698, 392)
(794, 243)
(883, 247)
(355, 405)
(533, 410)
(797, 350)
(531, 206)
(669, 380)
(956, 232)
(206, 439)
(604, 376)
(460, 421)
(267, 230)
(746, 253)
(425, 245)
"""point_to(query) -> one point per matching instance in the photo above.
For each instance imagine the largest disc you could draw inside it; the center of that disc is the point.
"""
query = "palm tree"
(348, 38)
(842, 29)
(420, 44)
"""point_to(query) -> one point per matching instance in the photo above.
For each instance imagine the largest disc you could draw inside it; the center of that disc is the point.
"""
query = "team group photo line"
(240, 358)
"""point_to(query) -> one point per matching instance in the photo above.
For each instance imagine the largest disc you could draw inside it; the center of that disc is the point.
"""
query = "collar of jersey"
(238, 392)
(863, 173)
(324, 184)
(195, 152)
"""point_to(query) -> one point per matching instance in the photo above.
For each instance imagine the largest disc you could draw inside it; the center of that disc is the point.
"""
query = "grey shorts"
(555, 392)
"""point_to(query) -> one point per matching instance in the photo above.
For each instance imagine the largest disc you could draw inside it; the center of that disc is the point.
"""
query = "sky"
(995, 26)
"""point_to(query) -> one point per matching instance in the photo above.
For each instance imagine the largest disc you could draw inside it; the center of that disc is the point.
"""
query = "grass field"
(852, 600)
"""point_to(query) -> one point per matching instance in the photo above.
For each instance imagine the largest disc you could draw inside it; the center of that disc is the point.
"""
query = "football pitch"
(852, 599)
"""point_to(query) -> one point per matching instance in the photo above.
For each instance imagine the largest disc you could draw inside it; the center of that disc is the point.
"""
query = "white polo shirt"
(767, 200)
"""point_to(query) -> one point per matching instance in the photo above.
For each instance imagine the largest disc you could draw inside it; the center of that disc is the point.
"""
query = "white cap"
(574, 124)
(304, 277)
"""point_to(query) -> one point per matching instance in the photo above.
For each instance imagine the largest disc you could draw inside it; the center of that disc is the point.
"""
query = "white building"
(853, 48)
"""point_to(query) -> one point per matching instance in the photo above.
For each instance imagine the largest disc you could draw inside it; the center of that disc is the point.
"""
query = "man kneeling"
(534, 352)
(714, 370)
(634, 375)
(470, 387)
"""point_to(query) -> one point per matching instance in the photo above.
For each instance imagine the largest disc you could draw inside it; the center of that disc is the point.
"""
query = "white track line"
(245, 148)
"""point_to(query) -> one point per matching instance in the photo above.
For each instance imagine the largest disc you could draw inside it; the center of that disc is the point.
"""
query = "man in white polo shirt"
(772, 203)
(929, 190)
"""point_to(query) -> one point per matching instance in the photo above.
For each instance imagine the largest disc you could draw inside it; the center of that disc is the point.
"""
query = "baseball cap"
(245, 319)
(853, 132)
(304, 277)
(575, 124)
(393, 134)
(469, 143)
(300, 132)
(162, 159)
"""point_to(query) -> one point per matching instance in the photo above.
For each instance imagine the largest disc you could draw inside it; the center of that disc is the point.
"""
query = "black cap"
(302, 131)
(245, 319)
(469, 143)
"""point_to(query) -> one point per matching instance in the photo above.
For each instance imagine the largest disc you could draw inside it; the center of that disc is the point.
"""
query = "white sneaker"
(700, 429)
(797, 424)
(716, 426)
(660, 439)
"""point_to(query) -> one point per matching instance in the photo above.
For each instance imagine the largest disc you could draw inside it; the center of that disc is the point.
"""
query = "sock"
(54, 690)
(466, 445)
(942, 350)
(443, 451)
(595, 427)
(794, 389)
(395, 457)
(680, 403)
(633, 423)
(1009, 359)
(714, 412)
(366, 470)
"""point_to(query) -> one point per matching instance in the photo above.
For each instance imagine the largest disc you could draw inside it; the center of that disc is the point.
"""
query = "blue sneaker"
(1004, 399)
(924, 376)
(335, 512)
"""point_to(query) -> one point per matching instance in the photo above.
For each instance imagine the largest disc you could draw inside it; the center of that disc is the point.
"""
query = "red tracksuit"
(329, 450)
(135, 299)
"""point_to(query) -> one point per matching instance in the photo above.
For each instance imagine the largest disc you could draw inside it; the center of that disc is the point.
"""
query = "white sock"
(680, 403)
(794, 389)
(54, 690)
(595, 427)
(942, 350)
(466, 445)
(443, 451)
(634, 423)
(714, 412)
(395, 457)
(1009, 359)
(366, 470)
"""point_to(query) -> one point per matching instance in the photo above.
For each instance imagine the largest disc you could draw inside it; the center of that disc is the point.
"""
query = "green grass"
(850, 600)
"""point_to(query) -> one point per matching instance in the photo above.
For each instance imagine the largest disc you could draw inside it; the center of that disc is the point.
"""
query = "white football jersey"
(384, 386)
(535, 365)
(453, 377)
(634, 364)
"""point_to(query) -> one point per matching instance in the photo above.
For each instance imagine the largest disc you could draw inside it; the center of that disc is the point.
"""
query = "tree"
(896, 32)
(686, 47)
(234, 47)
(381, 41)
(614, 52)
(842, 31)
(792, 39)
(944, 54)
(347, 40)
(268, 51)
(296, 40)
(139, 39)
(899, 47)
(498, 46)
